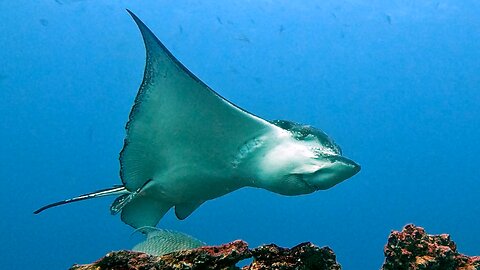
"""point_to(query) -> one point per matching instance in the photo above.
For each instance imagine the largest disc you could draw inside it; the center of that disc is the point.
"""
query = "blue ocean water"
(395, 83)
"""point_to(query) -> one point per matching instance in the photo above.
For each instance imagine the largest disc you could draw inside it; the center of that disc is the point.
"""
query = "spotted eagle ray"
(185, 144)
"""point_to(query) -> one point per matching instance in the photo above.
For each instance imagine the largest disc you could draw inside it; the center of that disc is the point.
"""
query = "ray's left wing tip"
(130, 12)
(135, 18)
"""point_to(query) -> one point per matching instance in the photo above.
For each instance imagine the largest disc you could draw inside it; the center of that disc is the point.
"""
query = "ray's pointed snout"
(347, 167)
(339, 169)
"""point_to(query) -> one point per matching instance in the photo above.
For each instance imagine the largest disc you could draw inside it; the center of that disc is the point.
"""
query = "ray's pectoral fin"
(182, 211)
(144, 211)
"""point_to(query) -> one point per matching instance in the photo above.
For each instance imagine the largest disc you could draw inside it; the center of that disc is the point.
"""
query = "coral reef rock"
(410, 249)
(304, 256)
(413, 249)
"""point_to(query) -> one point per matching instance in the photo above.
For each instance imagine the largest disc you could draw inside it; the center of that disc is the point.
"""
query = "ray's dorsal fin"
(115, 190)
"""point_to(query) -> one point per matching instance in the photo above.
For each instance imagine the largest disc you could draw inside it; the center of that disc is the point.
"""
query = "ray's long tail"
(115, 190)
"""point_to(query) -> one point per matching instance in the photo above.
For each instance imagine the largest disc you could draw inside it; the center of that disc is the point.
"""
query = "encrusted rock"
(413, 249)
(410, 249)
(304, 256)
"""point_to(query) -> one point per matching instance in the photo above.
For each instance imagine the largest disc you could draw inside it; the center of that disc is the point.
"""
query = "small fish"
(388, 18)
(161, 241)
(243, 38)
(44, 22)
(61, 2)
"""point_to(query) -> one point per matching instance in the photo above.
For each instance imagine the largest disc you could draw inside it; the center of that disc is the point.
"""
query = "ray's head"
(304, 160)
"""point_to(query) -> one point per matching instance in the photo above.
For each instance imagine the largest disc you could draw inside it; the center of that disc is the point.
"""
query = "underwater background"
(395, 83)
